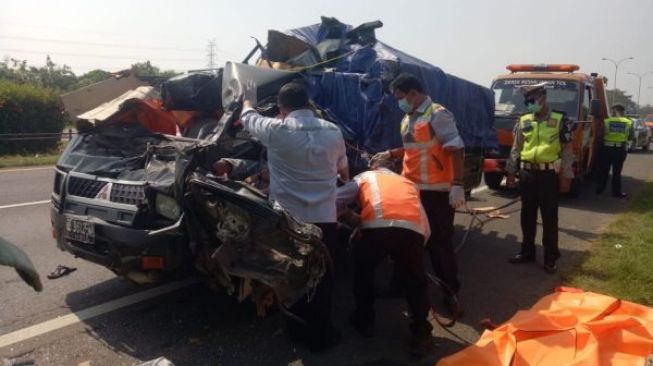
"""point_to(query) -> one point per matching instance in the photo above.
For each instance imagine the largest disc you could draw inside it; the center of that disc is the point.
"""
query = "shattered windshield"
(562, 95)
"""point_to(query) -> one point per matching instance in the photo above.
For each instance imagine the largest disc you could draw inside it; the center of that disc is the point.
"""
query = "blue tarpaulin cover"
(353, 89)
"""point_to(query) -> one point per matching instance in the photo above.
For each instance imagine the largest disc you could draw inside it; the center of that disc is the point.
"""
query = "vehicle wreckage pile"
(146, 204)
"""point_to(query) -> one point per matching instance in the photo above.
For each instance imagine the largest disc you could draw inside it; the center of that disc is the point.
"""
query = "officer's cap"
(528, 90)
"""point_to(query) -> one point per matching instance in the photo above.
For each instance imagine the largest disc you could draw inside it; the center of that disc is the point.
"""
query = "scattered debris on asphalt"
(61, 271)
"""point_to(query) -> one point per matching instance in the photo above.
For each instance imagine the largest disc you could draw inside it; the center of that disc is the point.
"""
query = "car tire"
(645, 147)
(493, 180)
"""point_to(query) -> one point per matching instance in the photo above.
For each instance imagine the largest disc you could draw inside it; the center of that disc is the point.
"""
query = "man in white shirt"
(305, 156)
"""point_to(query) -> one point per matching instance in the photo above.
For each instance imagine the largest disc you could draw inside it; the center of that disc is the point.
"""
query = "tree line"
(61, 78)
(29, 101)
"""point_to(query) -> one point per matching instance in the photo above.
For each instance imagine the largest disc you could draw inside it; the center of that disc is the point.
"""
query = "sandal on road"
(61, 271)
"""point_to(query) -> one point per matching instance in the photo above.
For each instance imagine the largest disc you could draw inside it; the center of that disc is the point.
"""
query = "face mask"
(534, 107)
(404, 105)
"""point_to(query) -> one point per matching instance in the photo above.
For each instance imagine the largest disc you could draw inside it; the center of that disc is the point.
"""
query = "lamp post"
(616, 69)
(639, 90)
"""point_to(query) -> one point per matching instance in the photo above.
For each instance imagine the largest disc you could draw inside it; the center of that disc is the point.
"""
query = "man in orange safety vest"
(392, 222)
(433, 158)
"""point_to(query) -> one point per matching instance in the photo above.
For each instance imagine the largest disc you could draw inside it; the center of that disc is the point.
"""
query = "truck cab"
(580, 96)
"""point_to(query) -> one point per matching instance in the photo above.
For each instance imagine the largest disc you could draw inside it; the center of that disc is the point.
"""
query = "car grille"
(82, 187)
(127, 193)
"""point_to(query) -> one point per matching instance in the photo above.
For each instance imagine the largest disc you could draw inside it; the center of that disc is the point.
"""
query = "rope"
(444, 324)
(469, 211)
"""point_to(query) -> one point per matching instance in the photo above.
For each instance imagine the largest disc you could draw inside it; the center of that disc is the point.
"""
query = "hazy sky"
(473, 39)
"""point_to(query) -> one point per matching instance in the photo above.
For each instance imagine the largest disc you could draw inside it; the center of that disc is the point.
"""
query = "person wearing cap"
(542, 154)
(617, 131)
(305, 156)
(433, 158)
(392, 222)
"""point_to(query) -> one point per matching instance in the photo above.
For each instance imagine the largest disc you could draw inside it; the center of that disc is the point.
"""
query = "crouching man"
(392, 223)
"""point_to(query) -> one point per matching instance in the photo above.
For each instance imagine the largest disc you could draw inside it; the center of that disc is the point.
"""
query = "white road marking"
(50, 167)
(25, 204)
(92, 312)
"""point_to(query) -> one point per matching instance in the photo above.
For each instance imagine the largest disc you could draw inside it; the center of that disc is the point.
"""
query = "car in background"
(641, 136)
(648, 121)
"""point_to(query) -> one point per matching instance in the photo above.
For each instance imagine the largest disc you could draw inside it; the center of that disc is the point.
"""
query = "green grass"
(12, 161)
(620, 262)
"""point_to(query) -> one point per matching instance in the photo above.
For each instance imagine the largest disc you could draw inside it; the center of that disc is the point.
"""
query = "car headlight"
(167, 207)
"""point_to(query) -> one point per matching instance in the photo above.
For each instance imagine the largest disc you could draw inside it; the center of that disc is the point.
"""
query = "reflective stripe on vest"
(425, 161)
(617, 129)
(390, 200)
(541, 138)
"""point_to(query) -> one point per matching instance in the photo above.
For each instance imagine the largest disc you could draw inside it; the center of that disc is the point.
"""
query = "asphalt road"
(195, 326)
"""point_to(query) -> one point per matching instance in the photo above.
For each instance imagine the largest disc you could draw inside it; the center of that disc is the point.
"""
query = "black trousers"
(540, 190)
(406, 248)
(316, 312)
(440, 245)
(611, 156)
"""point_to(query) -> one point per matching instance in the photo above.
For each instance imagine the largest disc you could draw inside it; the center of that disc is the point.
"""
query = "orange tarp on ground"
(567, 328)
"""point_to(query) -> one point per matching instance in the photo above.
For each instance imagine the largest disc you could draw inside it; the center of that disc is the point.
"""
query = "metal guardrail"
(37, 136)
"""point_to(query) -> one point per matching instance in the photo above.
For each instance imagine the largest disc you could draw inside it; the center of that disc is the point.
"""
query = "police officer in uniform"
(542, 153)
(617, 131)
(433, 158)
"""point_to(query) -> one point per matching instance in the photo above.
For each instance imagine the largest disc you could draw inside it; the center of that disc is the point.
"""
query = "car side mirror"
(595, 108)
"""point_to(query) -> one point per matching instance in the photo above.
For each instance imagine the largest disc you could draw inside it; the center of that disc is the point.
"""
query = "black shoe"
(620, 195)
(326, 341)
(522, 258)
(364, 329)
(550, 267)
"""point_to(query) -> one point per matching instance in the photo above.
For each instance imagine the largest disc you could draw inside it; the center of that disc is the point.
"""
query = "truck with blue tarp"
(348, 71)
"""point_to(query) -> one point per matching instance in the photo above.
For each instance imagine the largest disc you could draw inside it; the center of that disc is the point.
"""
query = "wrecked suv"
(146, 206)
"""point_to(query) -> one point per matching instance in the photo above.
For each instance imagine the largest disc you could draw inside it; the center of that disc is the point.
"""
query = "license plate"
(80, 230)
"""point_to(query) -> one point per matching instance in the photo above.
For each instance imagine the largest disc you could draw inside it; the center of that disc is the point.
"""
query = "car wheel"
(645, 147)
(493, 180)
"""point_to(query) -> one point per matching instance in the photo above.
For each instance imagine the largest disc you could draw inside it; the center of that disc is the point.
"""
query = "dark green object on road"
(12, 256)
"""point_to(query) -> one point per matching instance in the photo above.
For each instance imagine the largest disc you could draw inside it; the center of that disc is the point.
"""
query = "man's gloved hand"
(383, 155)
(457, 196)
(249, 93)
(510, 180)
